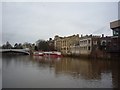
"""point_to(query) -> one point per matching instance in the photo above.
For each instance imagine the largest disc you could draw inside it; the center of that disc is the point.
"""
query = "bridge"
(15, 51)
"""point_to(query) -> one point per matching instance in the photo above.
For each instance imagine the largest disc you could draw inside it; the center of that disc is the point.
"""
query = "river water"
(38, 72)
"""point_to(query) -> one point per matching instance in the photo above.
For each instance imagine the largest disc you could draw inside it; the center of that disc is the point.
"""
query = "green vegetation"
(41, 45)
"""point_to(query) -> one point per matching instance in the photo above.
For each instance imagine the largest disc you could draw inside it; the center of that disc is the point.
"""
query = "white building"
(86, 45)
(75, 50)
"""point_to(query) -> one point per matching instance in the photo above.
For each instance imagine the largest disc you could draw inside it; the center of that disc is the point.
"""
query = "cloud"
(30, 21)
(0, 15)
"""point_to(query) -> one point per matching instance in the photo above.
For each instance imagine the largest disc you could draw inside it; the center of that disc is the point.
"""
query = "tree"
(36, 49)
(15, 46)
(51, 45)
(42, 45)
(27, 45)
(7, 46)
(4, 46)
(18, 46)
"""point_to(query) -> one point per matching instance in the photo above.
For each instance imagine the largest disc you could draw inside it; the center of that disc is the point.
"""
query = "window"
(95, 42)
(116, 32)
(88, 47)
(89, 41)
(103, 42)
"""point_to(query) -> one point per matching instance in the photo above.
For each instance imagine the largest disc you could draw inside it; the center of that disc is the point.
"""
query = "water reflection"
(88, 69)
(115, 73)
(0, 72)
(76, 72)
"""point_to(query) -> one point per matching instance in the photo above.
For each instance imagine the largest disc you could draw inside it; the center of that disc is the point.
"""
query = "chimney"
(81, 35)
(91, 35)
(102, 35)
(77, 35)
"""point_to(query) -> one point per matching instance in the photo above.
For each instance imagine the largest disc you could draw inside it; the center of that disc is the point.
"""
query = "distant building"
(115, 26)
(63, 44)
(75, 50)
(105, 43)
(86, 45)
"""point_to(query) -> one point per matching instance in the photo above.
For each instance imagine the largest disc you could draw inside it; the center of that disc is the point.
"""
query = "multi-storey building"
(115, 26)
(115, 46)
(105, 43)
(63, 44)
(86, 45)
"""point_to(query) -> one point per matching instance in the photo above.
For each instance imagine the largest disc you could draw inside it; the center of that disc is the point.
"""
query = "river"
(38, 72)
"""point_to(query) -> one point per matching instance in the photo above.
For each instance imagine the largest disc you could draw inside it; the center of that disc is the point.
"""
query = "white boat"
(48, 54)
(52, 54)
(38, 53)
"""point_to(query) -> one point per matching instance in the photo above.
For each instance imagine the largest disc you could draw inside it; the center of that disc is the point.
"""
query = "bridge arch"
(15, 51)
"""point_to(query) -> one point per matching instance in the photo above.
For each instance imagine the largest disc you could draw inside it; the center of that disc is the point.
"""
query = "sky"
(30, 21)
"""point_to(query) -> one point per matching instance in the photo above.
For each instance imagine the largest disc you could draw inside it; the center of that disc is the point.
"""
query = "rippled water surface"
(39, 72)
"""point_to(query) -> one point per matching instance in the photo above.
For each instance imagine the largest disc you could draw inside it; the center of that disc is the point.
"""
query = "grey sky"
(30, 21)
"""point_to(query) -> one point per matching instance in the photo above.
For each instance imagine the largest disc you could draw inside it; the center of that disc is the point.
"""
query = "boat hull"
(48, 54)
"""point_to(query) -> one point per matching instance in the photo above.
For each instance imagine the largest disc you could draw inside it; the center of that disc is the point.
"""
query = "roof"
(115, 24)
(89, 36)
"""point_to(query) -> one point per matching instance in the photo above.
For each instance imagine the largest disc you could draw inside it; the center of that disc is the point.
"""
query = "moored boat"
(38, 53)
(47, 54)
(52, 54)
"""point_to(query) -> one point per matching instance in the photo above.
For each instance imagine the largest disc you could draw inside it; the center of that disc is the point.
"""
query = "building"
(63, 44)
(105, 43)
(86, 45)
(75, 50)
(115, 26)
